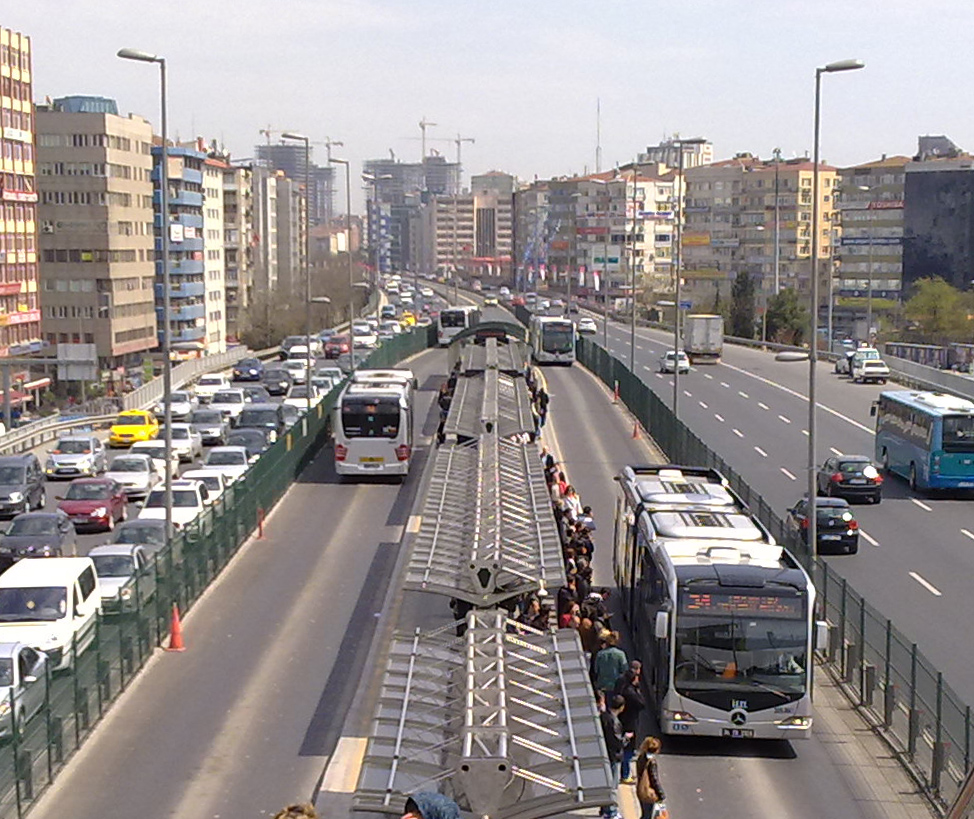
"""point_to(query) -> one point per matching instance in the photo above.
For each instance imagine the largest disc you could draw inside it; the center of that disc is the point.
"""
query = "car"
(181, 403)
(23, 687)
(254, 439)
(392, 326)
(424, 321)
(843, 363)
(291, 415)
(336, 346)
(229, 402)
(149, 533)
(94, 503)
(215, 482)
(864, 370)
(256, 394)
(269, 418)
(298, 369)
(408, 319)
(133, 426)
(157, 451)
(248, 369)
(287, 344)
(301, 350)
(189, 499)
(211, 425)
(209, 385)
(388, 311)
(670, 361)
(587, 326)
(326, 378)
(76, 455)
(135, 472)
(38, 534)
(490, 301)
(836, 525)
(232, 461)
(277, 380)
(850, 476)
(364, 334)
(21, 484)
(125, 576)
(426, 292)
(324, 335)
(298, 397)
(187, 442)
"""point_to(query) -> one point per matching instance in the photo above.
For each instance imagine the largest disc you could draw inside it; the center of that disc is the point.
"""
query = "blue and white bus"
(552, 340)
(927, 438)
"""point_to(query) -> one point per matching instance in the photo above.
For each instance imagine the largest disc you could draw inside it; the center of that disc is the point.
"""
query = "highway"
(916, 552)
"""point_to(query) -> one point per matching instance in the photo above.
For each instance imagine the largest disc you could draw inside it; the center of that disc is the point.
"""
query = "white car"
(587, 326)
(426, 292)
(183, 403)
(869, 369)
(363, 334)
(298, 368)
(301, 350)
(393, 326)
(215, 482)
(135, 472)
(232, 461)
(189, 498)
(297, 396)
(157, 451)
(325, 378)
(187, 442)
(229, 402)
(671, 361)
(125, 578)
(209, 385)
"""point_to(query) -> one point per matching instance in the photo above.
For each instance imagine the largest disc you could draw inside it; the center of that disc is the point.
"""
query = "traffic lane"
(240, 724)
(780, 779)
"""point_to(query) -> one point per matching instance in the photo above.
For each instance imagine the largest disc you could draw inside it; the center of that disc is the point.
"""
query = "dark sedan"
(248, 369)
(38, 534)
(256, 394)
(94, 503)
(253, 439)
(850, 477)
(837, 529)
(277, 381)
(143, 531)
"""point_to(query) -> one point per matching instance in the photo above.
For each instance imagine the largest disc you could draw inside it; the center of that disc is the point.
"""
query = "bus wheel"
(913, 477)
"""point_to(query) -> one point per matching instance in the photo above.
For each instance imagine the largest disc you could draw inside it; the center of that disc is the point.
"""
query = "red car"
(336, 346)
(94, 503)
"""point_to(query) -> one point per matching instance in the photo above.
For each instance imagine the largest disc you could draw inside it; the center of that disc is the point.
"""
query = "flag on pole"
(581, 275)
(596, 280)
(543, 271)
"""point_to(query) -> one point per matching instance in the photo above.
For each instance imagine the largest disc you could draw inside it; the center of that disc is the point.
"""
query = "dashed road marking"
(922, 505)
(702, 404)
(967, 533)
(761, 452)
(725, 384)
(688, 394)
(786, 420)
(719, 417)
(763, 405)
(927, 585)
(805, 432)
(743, 394)
(708, 376)
(834, 451)
(738, 433)
(787, 474)
(343, 769)
(658, 375)
(869, 538)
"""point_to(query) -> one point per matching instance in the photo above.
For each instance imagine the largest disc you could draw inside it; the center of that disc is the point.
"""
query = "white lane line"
(659, 375)
(869, 538)
(967, 533)
(927, 585)
(834, 451)
(922, 505)
(787, 474)
(763, 405)
(648, 368)
(725, 384)
(702, 404)
(688, 394)
(719, 417)
(738, 433)
(743, 394)
(415, 521)
(640, 347)
(786, 420)
(761, 452)
(708, 376)
(805, 432)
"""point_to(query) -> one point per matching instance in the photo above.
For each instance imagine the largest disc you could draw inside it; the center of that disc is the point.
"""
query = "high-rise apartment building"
(238, 244)
(20, 315)
(96, 240)
(214, 167)
(290, 158)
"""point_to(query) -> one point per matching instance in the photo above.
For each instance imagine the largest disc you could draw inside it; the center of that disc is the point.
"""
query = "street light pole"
(777, 224)
(632, 277)
(145, 57)
(348, 253)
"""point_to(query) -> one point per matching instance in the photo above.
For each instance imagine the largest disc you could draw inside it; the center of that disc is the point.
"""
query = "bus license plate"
(738, 733)
(371, 460)
(831, 537)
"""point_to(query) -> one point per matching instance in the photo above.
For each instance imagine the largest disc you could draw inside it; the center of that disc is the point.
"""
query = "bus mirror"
(662, 625)
(872, 411)
(821, 635)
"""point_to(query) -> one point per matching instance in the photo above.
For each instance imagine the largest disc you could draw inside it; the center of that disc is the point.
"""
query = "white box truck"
(703, 338)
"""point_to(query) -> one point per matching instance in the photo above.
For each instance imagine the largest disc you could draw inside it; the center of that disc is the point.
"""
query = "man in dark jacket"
(629, 687)
(614, 746)
(429, 805)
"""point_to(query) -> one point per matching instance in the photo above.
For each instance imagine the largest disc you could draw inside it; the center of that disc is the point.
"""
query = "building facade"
(96, 240)
(214, 266)
(667, 153)
(20, 315)
(238, 244)
(290, 158)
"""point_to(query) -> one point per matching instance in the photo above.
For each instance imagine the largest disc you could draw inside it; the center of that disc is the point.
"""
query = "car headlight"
(49, 464)
(125, 594)
(16, 497)
(100, 512)
(4, 708)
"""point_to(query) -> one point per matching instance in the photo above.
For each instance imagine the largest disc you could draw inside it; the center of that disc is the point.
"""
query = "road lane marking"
(743, 394)
(869, 538)
(786, 420)
(708, 376)
(702, 404)
(341, 776)
(834, 451)
(805, 432)
(968, 533)
(763, 405)
(647, 367)
(761, 452)
(688, 394)
(787, 474)
(927, 585)
(738, 433)
(719, 417)
(922, 505)
(725, 384)
(640, 347)
(658, 375)
(415, 521)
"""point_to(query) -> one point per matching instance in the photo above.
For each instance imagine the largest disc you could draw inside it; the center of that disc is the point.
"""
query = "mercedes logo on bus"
(738, 718)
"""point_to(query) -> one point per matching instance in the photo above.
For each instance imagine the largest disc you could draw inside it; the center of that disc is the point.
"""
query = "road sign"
(81, 362)
(686, 305)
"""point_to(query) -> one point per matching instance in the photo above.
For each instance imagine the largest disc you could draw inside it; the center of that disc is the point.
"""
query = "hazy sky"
(522, 77)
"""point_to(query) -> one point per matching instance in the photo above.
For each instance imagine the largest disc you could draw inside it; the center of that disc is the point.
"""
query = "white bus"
(721, 614)
(373, 429)
(454, 320)
(552, 340)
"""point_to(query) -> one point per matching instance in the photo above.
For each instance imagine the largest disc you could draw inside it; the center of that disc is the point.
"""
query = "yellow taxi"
(408, 319)
(131, 426)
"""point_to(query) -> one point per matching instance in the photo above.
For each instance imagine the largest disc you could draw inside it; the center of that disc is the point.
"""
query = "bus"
(927, 438)
(721, 614)
(373, 429)
(454, 320)
(552, 340)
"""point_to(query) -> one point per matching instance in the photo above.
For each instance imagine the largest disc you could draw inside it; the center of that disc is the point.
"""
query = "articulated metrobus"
(373, 429)
(927, 438)
(552, 340)
(721, 614)
(454, 320)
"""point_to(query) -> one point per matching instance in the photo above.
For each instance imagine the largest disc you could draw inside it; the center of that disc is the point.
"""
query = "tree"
(787, 318)
(938, 312)
(742, 306)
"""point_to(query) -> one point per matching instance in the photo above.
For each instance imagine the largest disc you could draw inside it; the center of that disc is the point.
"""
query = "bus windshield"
(453, 318)
(370, 417)
(558, 338)
(958, 433)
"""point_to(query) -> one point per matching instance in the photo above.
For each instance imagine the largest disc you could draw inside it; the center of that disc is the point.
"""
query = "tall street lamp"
(348, 253)
(869, 265)
(373, 179)
(307, 256)
(831, 68)
(777, 223)
(145, 57)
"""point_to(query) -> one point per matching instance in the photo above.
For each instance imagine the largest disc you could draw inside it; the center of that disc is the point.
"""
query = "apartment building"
(238, 244)
(20, 315)
(96, 240)
(214, 166)
(289, 157)
(668, 152)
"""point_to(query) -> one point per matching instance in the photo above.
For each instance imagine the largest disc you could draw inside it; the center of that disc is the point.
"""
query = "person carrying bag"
(649, 789)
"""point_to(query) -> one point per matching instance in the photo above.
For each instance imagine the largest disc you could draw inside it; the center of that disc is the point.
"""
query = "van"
(51, 604)
(21, 484)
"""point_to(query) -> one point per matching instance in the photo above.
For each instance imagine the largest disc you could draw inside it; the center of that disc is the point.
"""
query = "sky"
(521, 78)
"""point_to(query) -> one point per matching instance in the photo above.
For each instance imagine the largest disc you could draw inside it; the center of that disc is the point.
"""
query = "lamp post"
(307, 256)
(841, 65)
(632, 277)
(777, 224)
(869, 266)
(348, 252)
(373, 180)
(145, 57)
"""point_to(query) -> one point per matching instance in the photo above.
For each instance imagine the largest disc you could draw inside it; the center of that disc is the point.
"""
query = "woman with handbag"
(649, 789)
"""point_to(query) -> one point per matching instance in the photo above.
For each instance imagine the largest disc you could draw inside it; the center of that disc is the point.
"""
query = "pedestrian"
(301, 810)
(570, 619)
(430, 805)
(614, 744)
(567, 595)
(610, 664)
(629, 687)
(562, 483)
(573, 504)
(588, 635)
(649, 789)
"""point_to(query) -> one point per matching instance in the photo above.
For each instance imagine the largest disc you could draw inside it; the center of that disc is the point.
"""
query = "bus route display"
(745, 605)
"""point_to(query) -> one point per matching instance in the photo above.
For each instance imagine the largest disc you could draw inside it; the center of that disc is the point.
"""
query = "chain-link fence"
(45, 718)
(893, 685)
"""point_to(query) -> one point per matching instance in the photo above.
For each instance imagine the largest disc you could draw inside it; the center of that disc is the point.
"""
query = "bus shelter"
(487, 402)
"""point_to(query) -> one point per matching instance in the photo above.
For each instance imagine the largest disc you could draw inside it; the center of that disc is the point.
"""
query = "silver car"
(670, 361)
(212, 426)
(136, 473)
(76, 456)
(187, 442)
(23, 686)
(125, 576)
(183, 403)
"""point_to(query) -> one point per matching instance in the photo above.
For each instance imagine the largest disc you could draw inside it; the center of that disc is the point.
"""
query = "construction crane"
(268, 132)
(423, 125)
(458, 142)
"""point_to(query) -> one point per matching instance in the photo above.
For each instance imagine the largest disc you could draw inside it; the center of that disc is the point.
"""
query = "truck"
(703, 338)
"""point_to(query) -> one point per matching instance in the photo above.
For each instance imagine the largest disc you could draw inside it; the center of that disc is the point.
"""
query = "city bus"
(453, 320)
(552, 340)
(927, 438)
(373, 429)
(722, 616)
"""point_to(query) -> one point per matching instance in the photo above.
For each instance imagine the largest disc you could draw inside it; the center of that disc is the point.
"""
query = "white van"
(49, 603)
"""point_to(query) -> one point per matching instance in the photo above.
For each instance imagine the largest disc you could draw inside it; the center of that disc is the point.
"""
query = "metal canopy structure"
(487, 532)
(511, 358)
(491, 401)
(502, 720)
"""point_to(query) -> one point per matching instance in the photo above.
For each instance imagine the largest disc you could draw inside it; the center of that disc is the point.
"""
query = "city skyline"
(529, 101)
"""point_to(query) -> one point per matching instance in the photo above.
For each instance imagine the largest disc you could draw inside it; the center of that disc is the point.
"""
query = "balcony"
(188, 175)
(186, 267)
(185, 219)
(189, 334)
(189, 312)
(184, 198)
(182, 290)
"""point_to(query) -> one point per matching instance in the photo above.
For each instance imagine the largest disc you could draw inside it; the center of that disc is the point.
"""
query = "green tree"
(787, 318)
(938, 312)
(742, 306)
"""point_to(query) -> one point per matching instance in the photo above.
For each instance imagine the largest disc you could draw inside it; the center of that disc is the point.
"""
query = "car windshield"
(211, 482)
(32, 526)
(88, 491)
(453, 318)
(206, 417)
(558, 338)
(183, 498)
(226, 458)
(74, 447)
(128, 465)
(825, 514)
(248, 363)
(210, 381)
(228, 398)
(855, 467)
(125, 420)
(180, 398)
(11, 474)
(114, 565)
(298, 392)
(33, 603)
(258, 418)
(140, 533)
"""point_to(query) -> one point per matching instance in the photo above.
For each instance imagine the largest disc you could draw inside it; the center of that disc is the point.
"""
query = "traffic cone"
(635, 429)
(175, 632)
(615, 394)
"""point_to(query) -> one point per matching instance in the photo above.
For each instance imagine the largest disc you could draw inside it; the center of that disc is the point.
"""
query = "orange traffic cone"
(175, 632)
(635, 429)
(615, 394)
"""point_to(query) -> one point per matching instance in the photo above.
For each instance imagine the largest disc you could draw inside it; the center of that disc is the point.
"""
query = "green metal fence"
(35, 743)
(894, 686)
